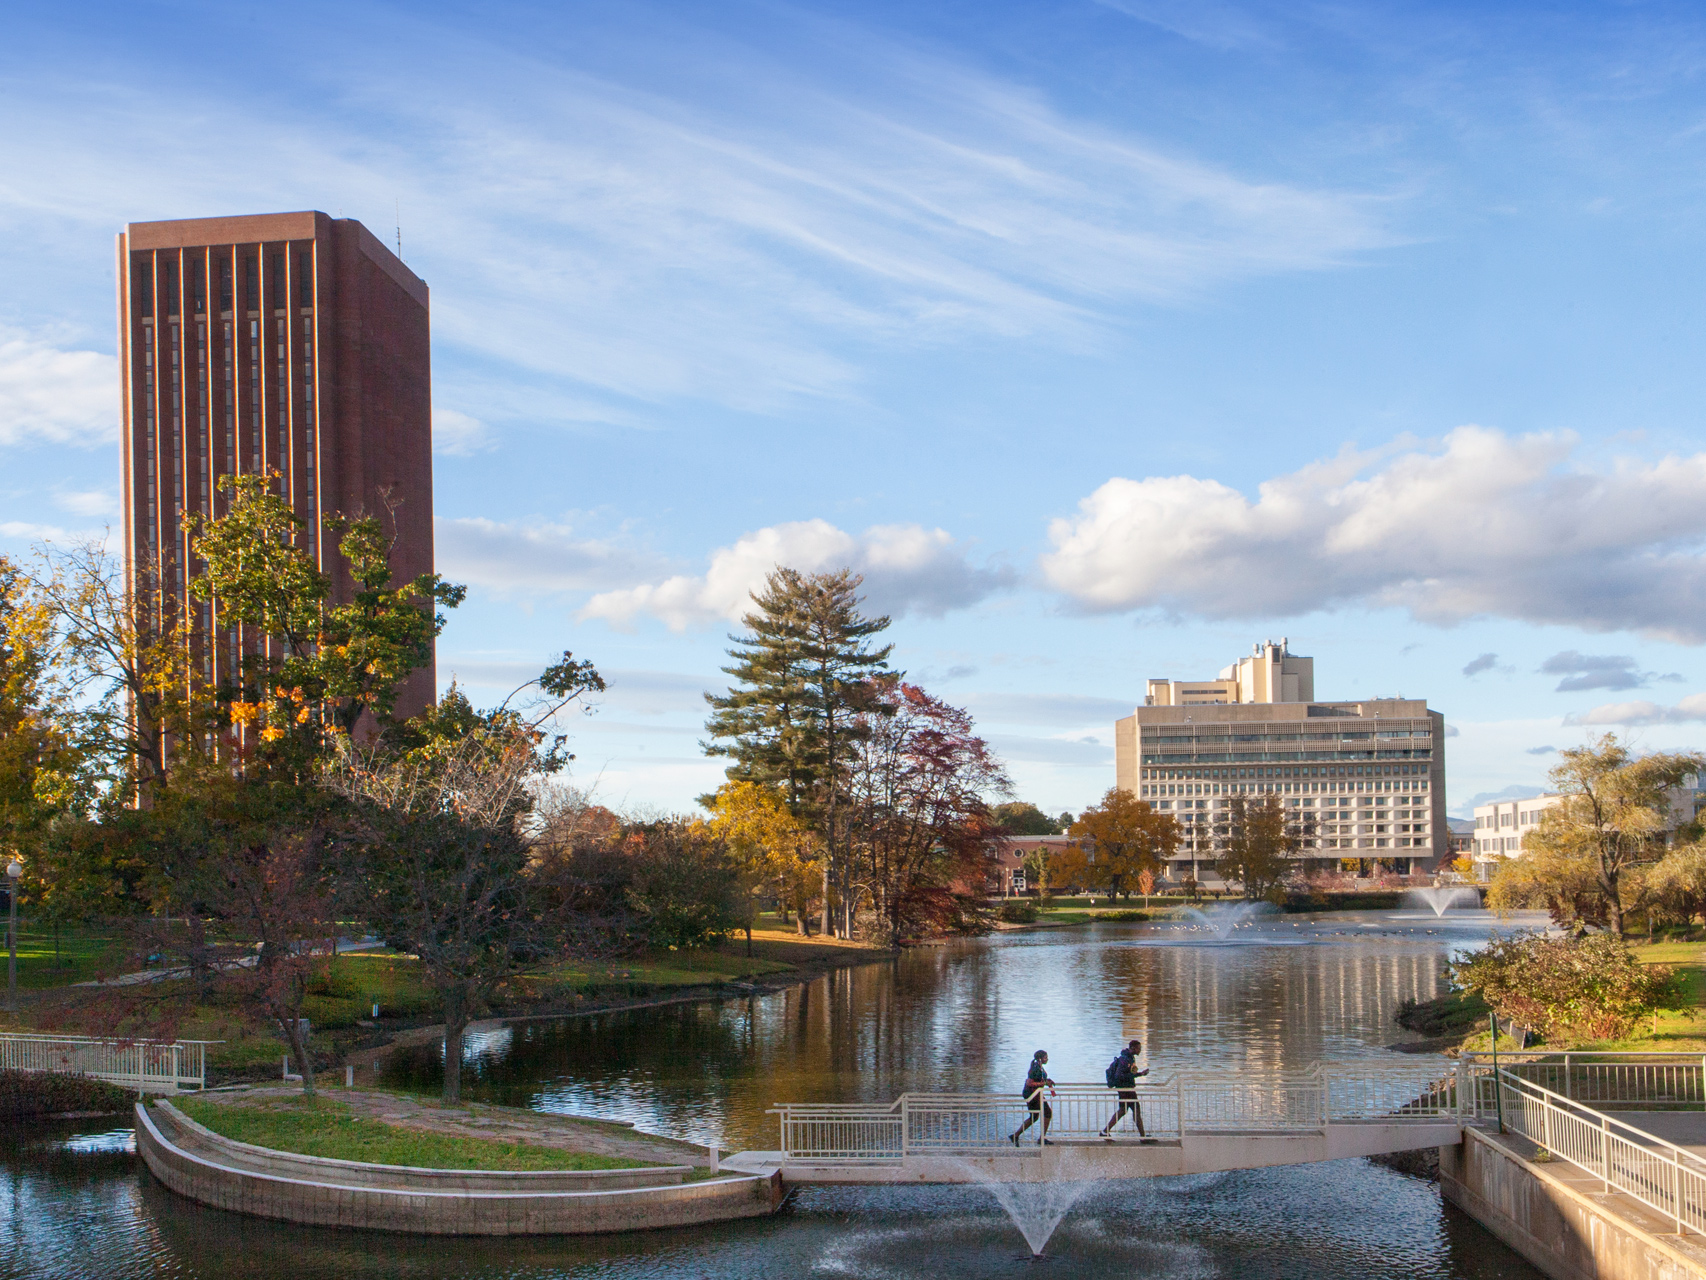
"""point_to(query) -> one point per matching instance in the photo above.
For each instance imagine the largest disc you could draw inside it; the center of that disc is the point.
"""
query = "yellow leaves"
(303, 716)
(272, 733)
(245, 712)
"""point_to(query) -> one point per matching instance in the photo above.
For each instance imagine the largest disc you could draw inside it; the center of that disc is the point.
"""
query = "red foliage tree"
(918, 784)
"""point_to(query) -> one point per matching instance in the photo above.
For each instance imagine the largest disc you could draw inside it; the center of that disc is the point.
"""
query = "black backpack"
(1117, 1072)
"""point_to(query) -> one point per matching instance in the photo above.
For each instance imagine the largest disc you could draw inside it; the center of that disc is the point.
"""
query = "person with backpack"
(1122, 1076)
(1036, 1079)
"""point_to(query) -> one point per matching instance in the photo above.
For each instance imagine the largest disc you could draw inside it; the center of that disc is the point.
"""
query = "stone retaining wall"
(1568, 1234)
(187, 1135)
(215, 1171)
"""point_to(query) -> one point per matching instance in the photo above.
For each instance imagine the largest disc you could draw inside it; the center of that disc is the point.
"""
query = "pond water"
(963, 1016)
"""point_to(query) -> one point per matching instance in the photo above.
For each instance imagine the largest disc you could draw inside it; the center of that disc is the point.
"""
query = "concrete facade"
(1501, 826)
(1558, 1219)
(292, 343)
(1365, 780)
(200, 1165)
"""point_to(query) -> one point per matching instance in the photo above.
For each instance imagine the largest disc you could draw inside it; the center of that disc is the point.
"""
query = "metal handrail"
(1661, 1175)
(146, 1065)
(1203, 1102)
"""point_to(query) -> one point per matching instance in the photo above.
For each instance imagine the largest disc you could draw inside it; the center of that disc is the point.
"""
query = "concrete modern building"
(292, 343)
(1369, 775)
(1503, 825)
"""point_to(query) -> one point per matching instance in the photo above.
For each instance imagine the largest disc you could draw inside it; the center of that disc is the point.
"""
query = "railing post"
(1463, 1091)
(1605, 1153)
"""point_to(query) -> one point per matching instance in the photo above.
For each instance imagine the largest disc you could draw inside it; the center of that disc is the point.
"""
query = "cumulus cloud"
(1482, 524)
(1692, 708)
(1486, 662)
(524, 558)
(907, 569)
(1539, 751)
(53, 395)
(1598, 671)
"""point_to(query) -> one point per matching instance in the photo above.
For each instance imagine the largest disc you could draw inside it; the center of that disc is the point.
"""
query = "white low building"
(1501, 827)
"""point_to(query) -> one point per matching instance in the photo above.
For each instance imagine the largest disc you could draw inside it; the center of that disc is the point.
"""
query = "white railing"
(1660, 1174)
(144, 1065)
(922, 1123)
(1650, 1081)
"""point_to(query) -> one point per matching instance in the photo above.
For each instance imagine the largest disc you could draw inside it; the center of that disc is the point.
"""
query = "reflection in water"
(966, 1015)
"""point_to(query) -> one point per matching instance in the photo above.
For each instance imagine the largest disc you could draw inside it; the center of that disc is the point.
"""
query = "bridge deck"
(1088, 1159)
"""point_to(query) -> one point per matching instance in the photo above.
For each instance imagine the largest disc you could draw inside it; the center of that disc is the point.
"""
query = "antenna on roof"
(399, 229)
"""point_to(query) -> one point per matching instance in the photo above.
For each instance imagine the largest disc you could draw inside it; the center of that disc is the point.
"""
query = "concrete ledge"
(1571, 1232)
(188, 1135)
(226, 1181)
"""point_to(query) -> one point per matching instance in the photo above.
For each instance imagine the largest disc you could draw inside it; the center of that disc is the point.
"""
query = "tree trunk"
(292, 1028)
(1608, 886)
(455, 1023)
(826, 924)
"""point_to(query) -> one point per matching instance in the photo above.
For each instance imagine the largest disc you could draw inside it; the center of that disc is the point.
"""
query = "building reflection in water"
(966, 1016)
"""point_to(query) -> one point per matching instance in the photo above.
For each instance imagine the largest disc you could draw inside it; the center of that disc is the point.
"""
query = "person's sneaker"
(1013, 1138)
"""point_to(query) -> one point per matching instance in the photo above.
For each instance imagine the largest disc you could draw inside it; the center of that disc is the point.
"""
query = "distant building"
(1502, 826)
(1369, 775)
(1009, 874)
(289, 345)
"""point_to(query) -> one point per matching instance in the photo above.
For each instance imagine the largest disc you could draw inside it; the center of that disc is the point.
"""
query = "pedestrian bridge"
(1195, 1122)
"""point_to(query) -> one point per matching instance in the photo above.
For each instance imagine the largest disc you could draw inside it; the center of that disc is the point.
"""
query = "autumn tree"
(131, 692)
(1121, 837)
(771, 848)
(919, 826)
(328, 663)
(237, 888)
(1613, 816)
(445, 866)
(803, 677)
(1256, 840)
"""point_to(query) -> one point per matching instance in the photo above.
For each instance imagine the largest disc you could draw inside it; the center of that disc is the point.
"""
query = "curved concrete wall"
(224, 1180)
(198, 1139)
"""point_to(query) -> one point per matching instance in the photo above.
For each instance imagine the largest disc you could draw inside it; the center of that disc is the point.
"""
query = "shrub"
(1124, 914)
(1017, 911)
(45, 1093)
(1593, 986)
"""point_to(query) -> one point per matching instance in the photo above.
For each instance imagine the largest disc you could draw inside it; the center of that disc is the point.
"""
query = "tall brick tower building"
(287, 342)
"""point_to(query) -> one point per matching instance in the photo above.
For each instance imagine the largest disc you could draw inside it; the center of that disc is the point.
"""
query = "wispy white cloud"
(1640, 712)
(721, 234)
(53, 393)
(522, 558)
(458, 434)
(90, 503)
(907, 569)
(1483, 524)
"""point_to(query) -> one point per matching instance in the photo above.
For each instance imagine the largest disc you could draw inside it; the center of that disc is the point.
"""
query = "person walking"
(1036, 1080)
(1122, 1077)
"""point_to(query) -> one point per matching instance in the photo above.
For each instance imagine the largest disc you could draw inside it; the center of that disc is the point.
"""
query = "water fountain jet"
(1442, 897)
(1036, 1208)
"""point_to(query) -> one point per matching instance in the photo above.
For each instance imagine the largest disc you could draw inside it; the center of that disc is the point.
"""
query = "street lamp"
(14, 873)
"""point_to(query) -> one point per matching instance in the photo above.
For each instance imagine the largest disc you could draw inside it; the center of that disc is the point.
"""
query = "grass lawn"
(82, 955)
(326, 1127)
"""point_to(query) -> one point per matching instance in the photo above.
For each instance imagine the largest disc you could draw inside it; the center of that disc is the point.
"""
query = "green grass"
(83, 954)
(327, 1128)
(656, 970)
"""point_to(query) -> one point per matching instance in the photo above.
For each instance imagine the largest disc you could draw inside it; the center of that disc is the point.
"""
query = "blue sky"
(1106, 338)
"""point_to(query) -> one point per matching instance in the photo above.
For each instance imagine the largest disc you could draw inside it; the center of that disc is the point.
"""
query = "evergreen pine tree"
(803, 674)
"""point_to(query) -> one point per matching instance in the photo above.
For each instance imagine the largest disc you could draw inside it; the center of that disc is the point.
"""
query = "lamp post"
(14, 873)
